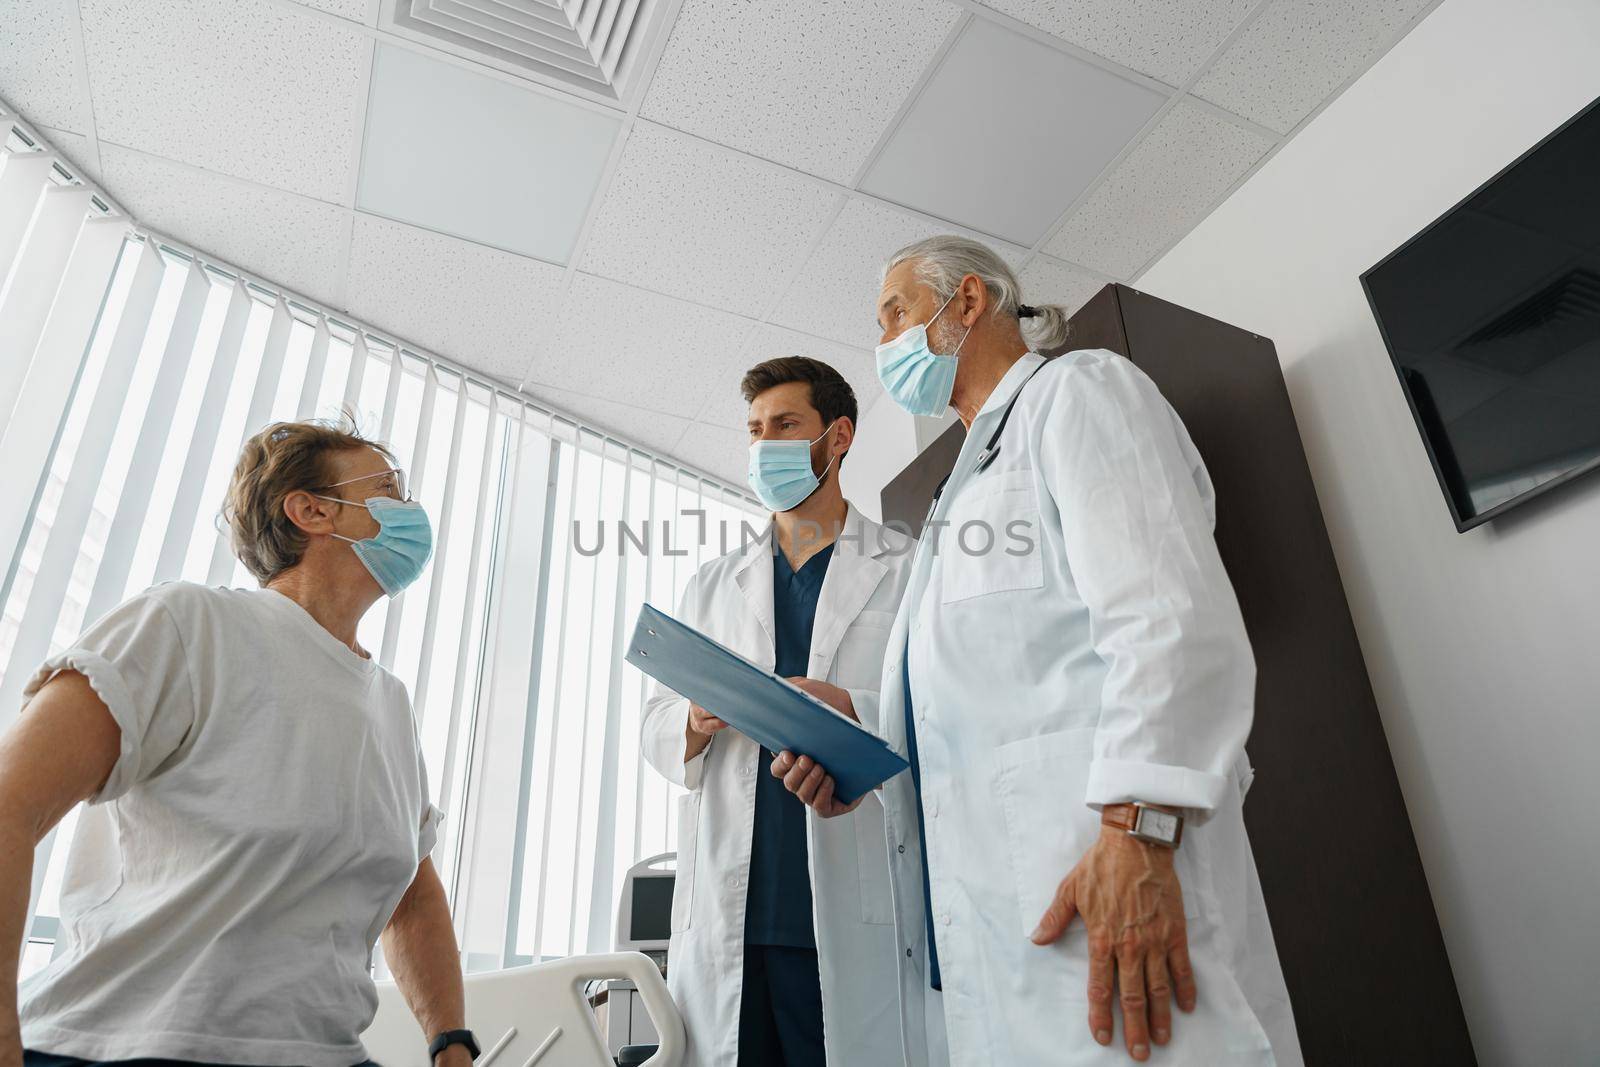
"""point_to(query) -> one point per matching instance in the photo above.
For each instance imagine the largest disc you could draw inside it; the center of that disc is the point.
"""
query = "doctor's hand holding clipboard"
(802, 775)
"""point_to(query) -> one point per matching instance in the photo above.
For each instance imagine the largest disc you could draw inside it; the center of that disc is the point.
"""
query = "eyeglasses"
(394, 486)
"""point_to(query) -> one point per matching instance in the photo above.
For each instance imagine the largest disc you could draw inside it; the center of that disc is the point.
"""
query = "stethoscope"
(991, 449)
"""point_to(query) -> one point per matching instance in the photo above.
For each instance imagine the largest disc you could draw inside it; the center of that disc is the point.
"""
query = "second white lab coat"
(1107, 662)
(731, 600)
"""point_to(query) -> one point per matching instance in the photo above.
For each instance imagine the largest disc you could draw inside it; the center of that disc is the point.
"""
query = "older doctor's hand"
(1130, 900)
(803, 776)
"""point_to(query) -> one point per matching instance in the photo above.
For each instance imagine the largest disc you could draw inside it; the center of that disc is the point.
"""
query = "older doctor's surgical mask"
(917, 378)
(780, 471)
(397, 554)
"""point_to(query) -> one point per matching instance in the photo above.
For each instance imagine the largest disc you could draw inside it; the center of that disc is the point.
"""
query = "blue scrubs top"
(922, 833)
(778, 903)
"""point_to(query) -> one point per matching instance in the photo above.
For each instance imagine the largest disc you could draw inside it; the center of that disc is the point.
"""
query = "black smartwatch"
(453, 1037)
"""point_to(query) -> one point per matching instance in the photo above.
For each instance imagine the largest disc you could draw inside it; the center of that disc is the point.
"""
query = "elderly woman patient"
(257, 807)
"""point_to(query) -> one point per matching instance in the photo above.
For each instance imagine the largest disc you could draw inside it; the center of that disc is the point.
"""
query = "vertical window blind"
(131, 370)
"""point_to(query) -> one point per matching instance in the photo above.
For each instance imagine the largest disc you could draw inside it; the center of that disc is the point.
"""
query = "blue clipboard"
(770, 711)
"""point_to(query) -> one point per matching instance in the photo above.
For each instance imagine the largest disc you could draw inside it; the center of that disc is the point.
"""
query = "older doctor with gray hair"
(1070, 679)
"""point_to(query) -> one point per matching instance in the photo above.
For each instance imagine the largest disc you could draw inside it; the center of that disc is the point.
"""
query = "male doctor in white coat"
(783, 944)
(1070, 678)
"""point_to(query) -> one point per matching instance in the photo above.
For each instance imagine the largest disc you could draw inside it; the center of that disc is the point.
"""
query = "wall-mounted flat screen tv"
(1492, 318)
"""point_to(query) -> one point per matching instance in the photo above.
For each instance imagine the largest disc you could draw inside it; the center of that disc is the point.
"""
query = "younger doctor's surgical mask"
(400, 550)
(780, 471)
(918, 379)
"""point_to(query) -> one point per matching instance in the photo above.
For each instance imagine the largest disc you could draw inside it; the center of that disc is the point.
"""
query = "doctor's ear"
(845, 435)
(973, 296)
(309, 513)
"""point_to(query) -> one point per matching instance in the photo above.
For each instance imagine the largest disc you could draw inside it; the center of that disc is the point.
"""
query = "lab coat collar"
(1010, 383)
(853, 573)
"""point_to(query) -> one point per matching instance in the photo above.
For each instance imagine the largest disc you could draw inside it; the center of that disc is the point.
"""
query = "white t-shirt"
(267, 812)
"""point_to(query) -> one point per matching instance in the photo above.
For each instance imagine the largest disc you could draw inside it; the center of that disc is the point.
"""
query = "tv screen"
(1492, 318)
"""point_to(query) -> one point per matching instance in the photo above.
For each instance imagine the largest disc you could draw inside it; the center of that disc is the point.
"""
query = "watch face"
(1159, 824)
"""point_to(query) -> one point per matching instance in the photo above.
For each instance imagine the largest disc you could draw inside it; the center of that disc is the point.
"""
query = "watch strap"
(453, 1037)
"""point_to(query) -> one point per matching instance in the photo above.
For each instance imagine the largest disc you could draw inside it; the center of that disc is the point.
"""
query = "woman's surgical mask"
(916, 378)
(400, 550)
(780, 472)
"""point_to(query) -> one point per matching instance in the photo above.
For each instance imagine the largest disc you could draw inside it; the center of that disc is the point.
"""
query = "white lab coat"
(1107, 664)
(731, 600)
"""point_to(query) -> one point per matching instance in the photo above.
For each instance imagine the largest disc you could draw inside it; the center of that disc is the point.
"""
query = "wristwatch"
(1155, 826)
(453, 1037)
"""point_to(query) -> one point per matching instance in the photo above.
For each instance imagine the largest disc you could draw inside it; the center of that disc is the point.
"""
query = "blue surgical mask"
(780, 472)
(919, 380)
(403, 545)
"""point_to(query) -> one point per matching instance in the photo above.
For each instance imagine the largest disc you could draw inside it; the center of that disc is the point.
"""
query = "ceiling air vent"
(591, 46)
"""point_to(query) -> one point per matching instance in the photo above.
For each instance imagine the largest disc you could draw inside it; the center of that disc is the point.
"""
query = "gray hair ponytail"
(941, 263)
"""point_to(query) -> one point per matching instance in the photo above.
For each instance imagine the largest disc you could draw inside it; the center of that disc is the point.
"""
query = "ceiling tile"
(688, 218)
(355, 10)
(987, 183)
(809, 83)
(721, 453)
(290, 240)
(1161, 190)
(1298, 51)
(1050, 281)
(477, 157)
(248, 89)
(39, 64)
(485, 309)
(1166, 39)
(640, 348)
(74, 148)
(725, 407)
(836, 291)
(650, 429)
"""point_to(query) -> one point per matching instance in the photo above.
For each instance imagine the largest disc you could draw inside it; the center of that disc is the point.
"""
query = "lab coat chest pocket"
(1040, 782)
(992, 543)
(683, 882)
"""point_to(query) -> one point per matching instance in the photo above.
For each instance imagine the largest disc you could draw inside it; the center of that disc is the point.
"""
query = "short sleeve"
(428, 823)
(134, 658)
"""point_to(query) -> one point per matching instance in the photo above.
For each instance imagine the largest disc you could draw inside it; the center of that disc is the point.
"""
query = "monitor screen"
(651, 919)
(1492, 318)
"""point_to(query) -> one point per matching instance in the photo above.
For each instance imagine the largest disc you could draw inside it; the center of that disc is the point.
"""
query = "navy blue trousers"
(780, 1009)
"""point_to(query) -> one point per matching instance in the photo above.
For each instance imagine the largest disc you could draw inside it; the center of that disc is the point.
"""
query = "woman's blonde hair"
(284, 457)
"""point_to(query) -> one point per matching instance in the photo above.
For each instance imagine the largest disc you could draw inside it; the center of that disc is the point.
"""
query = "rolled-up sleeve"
(666, 718)
(135, 660)
(1179, 690)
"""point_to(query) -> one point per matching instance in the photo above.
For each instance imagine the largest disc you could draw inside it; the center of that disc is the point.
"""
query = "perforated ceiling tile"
(1166, 39)
(725, 406)
(486, 309)
(836, 292)
(981, 176)
(1159, 192)
(1050, 281)
(651, 429)
(355, 10)
(457, 151)
(1299, 51)
(291, 240)
(689, 218)
(722, 453)
(809, 83)
(249, 89)
(39, 64)
(638, 348)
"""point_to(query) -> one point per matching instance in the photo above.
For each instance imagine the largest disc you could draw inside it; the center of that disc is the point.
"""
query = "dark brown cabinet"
(1350, 906)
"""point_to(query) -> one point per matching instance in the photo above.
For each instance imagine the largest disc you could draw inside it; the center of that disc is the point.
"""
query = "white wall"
(886, 440)
(1484, 647)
